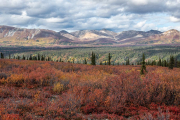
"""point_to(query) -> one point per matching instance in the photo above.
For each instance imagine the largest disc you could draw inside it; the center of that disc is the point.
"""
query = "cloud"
(117, 15)
(139, 2)
(140, 24)
(174, 19)
(54, 20)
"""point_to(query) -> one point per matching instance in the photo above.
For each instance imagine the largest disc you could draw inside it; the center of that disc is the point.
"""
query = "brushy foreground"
(53, 90)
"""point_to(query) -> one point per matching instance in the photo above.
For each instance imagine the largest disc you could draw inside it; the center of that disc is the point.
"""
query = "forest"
(119, 54)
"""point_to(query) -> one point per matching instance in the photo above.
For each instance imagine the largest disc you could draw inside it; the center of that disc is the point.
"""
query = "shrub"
(16, 79)
(58, 87)
(3, 75)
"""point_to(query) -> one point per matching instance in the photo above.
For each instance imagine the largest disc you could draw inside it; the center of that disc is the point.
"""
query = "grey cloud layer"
(85, 14)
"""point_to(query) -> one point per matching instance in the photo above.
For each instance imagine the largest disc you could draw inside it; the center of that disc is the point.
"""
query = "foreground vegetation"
(56, 90)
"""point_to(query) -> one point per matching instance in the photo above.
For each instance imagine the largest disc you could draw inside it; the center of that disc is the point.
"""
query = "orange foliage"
(53, 90)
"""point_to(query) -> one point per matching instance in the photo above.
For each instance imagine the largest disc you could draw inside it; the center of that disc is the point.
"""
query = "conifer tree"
(18, 57)
(2, 56)
(165, 63)
(127, 62)
(171, 62)
(101, 63)
(35, 58)
(42, 58)
(143, 67)
(159, 62)
(23, 57)
(30, 57)
(9, 56)
(38, 57)
(109, 59)
(60, 60)
(85, 61)
(93, 59)
(49, 58)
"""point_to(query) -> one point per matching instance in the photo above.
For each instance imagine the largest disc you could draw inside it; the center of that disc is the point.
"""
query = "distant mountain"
(136, 34)
(90, 34)
(168, 37)
(27, 34)
(42, 37)
(29, 37)
(67, 35)
(107, 32)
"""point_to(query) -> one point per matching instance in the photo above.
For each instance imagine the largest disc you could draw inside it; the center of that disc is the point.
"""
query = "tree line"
(172, 62)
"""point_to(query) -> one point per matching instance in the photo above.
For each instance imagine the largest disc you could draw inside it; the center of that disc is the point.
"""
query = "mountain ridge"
(43, 37)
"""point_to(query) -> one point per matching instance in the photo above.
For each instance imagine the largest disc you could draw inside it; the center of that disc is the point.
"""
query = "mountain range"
(10, 36)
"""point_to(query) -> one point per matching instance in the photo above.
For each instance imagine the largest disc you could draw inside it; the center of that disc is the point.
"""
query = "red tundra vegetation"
(55, 90)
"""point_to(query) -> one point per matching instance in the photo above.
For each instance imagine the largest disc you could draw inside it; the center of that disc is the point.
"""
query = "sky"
(73, 15)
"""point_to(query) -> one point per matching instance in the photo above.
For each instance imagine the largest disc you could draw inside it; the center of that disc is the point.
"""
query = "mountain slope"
(133, 33)
(168, 37)
(21, 36)
(42, 37)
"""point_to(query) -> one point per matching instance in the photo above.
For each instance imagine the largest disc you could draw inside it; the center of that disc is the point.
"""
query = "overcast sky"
(72, 15)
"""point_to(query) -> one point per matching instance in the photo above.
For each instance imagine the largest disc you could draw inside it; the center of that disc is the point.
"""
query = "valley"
(60, 85)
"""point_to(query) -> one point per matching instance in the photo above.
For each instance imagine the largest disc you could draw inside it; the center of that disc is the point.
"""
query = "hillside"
(168, 37)
(55, 90)
(11, 36)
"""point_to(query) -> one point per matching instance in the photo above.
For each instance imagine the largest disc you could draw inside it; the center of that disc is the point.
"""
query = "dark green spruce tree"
(38, 57)
(93, 59)
(42, 58)
(127, 62)
(165, 63)
(18, 57)
(159, 62)
(49, 58)
(85, 61)
(171, 62)
(30, 57)
(23, 57)
(35, 58)
(2, 56)
(109, 59)
(143, 66)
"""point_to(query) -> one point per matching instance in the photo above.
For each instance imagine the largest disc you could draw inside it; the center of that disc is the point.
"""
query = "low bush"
(58, 87)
